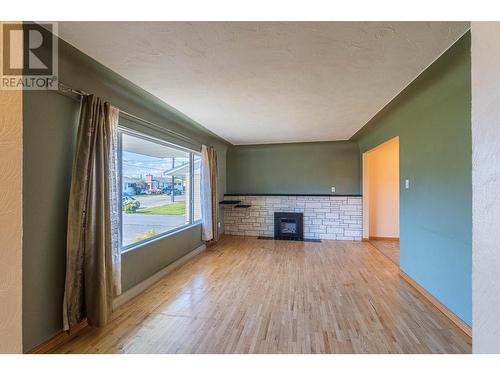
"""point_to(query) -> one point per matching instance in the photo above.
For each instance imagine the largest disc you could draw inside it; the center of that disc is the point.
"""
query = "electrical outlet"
(407, 184)
(333, 189)
(218, 225)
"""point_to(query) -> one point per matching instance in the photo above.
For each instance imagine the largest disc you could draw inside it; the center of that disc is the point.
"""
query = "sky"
(138, 165)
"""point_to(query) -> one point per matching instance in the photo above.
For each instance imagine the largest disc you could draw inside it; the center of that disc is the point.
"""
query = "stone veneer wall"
(325, 217)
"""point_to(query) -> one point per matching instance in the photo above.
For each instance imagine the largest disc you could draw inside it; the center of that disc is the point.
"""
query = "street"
(137, 225)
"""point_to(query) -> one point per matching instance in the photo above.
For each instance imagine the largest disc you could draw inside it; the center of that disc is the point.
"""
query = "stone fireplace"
(326, 217)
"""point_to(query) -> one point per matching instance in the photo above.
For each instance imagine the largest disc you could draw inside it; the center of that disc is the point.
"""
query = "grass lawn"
(176, 208)
(149, 195)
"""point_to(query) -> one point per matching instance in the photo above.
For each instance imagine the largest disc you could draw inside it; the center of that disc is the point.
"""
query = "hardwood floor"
(390, 248)
(246, 295)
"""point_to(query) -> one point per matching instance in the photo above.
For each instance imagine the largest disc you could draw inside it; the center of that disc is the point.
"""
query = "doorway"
(381, 198)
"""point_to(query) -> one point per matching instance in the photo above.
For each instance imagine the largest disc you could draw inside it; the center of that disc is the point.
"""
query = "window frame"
(192, 223)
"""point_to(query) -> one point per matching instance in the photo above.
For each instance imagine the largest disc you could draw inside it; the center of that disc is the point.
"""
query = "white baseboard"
(143, 285)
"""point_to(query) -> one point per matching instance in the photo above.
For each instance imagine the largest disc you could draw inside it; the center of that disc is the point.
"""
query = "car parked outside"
(178, 190)
(154, 190)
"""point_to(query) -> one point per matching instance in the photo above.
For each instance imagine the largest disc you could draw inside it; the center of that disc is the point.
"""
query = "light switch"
(407, 184)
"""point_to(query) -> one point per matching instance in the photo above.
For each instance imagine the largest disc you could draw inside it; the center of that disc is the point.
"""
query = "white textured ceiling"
(269, 82)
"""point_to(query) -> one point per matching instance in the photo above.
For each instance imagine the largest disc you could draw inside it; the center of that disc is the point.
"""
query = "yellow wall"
(381, 189)
(11, 143)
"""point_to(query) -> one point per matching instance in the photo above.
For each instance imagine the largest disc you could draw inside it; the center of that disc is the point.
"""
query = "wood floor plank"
(390, 248)
(246, 295)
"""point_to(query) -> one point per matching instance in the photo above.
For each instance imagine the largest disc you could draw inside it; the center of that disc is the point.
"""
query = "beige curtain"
(209, 194)
(93, 259)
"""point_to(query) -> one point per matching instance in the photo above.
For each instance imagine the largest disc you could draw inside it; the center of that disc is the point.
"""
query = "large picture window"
(160, 186)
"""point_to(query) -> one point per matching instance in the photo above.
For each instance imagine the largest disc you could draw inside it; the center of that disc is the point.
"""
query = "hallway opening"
(381, 198)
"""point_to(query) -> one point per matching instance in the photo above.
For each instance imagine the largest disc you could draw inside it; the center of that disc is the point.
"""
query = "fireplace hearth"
(289, 226)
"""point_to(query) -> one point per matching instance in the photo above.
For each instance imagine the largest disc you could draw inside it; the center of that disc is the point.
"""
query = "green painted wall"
(49, 140)
(50, 124)
(156, 255)
(432, 118)
(311, 168)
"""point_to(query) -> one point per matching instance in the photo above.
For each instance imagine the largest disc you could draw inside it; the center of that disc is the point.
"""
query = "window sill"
(159, 237)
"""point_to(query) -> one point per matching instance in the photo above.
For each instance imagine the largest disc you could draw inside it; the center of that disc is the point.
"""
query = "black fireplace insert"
(289, 226)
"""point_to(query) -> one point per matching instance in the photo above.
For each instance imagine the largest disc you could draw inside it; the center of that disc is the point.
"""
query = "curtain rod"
(67, 89)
